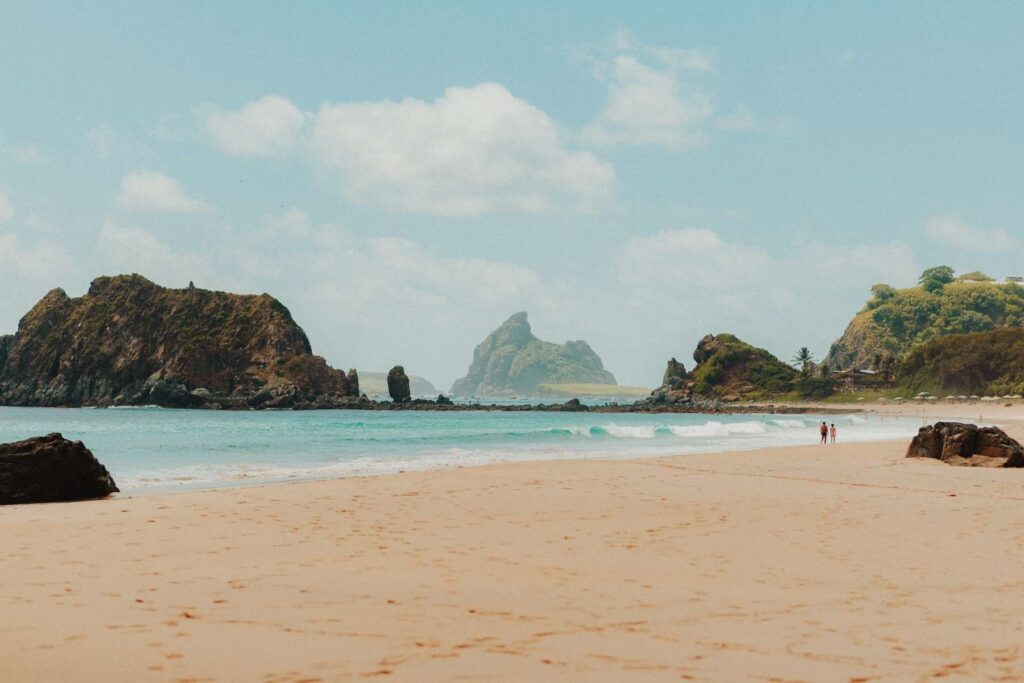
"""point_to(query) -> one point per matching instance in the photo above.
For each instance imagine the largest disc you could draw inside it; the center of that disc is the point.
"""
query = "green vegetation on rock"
(511, 361)
(728, 366)
(982, 363)
(896, 321)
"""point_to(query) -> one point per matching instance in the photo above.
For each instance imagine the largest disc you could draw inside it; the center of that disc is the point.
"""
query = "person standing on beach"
(824, 433)
(832, 432)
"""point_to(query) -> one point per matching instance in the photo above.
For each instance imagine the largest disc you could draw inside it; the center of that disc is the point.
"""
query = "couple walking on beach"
(827, 431)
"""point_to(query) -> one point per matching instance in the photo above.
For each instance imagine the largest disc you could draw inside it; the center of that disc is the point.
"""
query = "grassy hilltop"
(896, 321)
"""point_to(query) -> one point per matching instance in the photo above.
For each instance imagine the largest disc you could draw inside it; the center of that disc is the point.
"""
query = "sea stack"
(398, 385)
(511, 361)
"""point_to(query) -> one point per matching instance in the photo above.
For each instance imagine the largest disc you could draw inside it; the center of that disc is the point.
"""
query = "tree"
(803, 359)
(937, 277)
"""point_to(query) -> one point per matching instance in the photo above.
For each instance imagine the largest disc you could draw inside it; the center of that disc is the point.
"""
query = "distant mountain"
(376, 384)
(511, 361)
(129, 341)
(895, 321)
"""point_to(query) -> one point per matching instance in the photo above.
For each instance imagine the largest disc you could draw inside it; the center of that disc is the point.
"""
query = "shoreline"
(811, 562)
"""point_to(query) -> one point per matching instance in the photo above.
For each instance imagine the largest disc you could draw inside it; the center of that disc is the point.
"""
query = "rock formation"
(511, 361)
(676, 386)
(727, 369)
(957, 443)
(353, 382)
(398, 385)
(129, 341)
(49, 469)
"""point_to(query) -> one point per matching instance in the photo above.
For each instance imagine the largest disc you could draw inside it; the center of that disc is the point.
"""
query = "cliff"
(129, 341)
(894, 321)
(511, 361)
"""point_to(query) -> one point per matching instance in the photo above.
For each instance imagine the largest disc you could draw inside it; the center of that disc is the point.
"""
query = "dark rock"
(958, 443)
(353, 383)
(443, 400)
(130, 341)
(398, 385)
(49, 469)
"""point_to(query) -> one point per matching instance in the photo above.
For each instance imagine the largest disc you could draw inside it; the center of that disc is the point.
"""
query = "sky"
(406, 175)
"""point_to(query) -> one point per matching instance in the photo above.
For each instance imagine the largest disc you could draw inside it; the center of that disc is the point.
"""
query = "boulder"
(958, 443)
(398, 385)
(48, 469)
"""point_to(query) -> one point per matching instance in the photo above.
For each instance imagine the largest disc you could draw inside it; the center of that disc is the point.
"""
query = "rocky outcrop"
(727, 369)
(398, 385)
(676, 386)
(511, 361)
(49, 469)
(957, 443)
(128, 341)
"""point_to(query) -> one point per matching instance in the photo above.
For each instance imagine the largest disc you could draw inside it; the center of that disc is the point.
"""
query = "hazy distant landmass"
(895, 321)
(511, 361)
(376, 384)
(128, 341)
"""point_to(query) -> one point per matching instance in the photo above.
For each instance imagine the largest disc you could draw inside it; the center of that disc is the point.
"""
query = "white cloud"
(29, 271)
(158, 193)
(6, 208)
(270, 126)
(955, 232)
(690, 282)
(649, 105)
(472, 151)
(741, 118)
(132, 250)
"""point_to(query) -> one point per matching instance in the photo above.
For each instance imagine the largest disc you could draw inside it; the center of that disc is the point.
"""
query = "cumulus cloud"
(155, 192)
(6, 208)
(955, 232)
(471, 151)
(710, 284)
(30, 269)
(647, 101)
(270, 126)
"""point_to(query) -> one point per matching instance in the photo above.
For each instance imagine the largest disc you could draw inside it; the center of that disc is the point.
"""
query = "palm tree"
(803, 359)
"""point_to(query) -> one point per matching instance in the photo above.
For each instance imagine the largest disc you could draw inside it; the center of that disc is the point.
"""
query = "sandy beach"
(797, 564)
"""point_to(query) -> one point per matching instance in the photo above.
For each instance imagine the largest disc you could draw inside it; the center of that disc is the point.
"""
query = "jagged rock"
(675, 375)
(398, 385)
(511, 361)
(353, 383)
(958, 443)
(443, 400)
(130, 341)
(49, 469)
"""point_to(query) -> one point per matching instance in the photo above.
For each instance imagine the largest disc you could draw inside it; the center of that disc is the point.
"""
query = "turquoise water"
(157, 449)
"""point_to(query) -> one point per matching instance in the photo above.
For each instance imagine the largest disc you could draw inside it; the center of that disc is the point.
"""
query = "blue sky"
(404, 176)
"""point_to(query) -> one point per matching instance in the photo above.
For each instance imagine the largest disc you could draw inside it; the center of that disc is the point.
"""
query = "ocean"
(154, 449)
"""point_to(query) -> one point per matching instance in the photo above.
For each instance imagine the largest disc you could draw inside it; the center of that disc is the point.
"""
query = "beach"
(844, 562)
